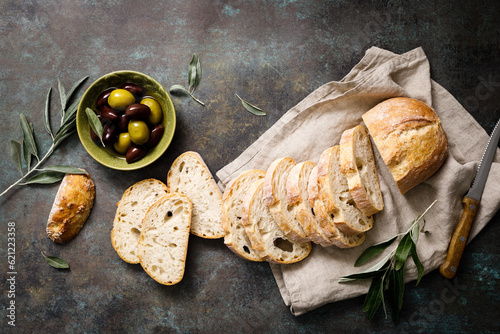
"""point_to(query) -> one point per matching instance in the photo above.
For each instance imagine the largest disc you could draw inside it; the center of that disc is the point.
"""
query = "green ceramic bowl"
(115, 79)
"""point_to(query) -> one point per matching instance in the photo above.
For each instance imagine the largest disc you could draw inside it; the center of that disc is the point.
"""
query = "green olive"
(156, 114)
(120, 99)
(139, 132)
(123, 143)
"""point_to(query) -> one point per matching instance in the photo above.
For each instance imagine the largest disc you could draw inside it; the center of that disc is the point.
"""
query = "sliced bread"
(298, 197)
(189, 175)
(334, 192)
(358, 166)
(130, 212)
(164, 238)
(236, 238)
(275, 197)
(325, 219)
(264, 233)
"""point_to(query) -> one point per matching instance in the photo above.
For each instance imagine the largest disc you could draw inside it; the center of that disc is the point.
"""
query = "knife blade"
(470, 203)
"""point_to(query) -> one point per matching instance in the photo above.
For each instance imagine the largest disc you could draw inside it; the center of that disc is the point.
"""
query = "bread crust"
(71, 208)
(410, 139)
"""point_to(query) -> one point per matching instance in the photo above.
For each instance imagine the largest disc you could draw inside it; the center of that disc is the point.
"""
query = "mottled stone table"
(271, 53)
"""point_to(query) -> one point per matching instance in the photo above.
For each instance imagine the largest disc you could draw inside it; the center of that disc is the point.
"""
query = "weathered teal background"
(271, 53)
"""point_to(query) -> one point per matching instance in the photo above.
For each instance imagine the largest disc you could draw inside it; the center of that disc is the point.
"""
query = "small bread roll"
(71, 208)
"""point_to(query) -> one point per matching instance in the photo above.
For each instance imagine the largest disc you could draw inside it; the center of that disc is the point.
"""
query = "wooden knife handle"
(459, 238)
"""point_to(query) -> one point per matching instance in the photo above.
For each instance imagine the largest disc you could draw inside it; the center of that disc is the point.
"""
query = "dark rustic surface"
(271, 53)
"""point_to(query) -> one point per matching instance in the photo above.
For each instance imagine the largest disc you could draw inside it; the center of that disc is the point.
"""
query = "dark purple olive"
(95, 137)
(123, 123)
(137, 90)
(102, 99)
(135, 153)
(109, 134)
(137, 111)
(108, 114)
(155, 136)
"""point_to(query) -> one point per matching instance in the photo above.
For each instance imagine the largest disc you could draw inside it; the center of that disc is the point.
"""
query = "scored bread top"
(264, 233)
(130, 212)
(410, 139)
(189, 175)
(276, 198)
(164, 238)
(236, 238)
(358, 165)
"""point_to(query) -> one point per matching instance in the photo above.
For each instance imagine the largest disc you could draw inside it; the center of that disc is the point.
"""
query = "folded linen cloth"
(317, 123)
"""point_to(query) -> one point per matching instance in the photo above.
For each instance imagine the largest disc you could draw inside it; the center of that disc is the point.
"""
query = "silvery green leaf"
(71, 112)
(194, 74)
(178, 90)
(67, 127)
(15, 152)
(414, 231)
(56, 262)
(62, 95)
(59, 139)
(46, 178)
(73, 89)
(63, 169)
(27, 157)
(46, 114)
(251, 108)
(28, 138)
(95, 123)
(374, 297)
(372, 251)
(379, 268)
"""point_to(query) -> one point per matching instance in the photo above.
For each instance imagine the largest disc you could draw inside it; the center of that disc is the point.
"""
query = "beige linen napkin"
(317, 123)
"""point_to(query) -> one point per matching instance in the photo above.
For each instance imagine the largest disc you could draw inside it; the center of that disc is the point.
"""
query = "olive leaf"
(95, 123)
(418, 264)
(46, 178)
(180, 90)
(28, 147)
(46, 114)
(63, 169)
(373, 251)
(389, 271)
(15, 152)
(396, 292)
(56, 262)
(251, 108)
(194, 73)
(28, 138)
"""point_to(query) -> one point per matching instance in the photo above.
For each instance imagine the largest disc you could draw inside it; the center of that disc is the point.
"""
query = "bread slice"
(264, 233)
(334, 192)
(164, 238)
(358, 166)
(410, 139)
(189, 175)
(298, 197)
(236, 238)
(130, 212)
(275, 197)
(325, 219)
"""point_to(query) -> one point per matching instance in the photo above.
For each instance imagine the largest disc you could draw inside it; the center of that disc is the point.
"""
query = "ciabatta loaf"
(236, 238)
(164, 238)
(276, 198)
(298, 198)
(264, 233)
(189, 175)
(358, 166)
(410, 139)
(71, 207)
(130, 212)
(326, 219)
(335, 194)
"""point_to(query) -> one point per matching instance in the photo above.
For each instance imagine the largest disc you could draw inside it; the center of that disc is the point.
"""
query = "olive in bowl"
(137, 116)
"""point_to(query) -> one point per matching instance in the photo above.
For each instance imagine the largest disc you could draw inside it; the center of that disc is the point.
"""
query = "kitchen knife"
(470, 206)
